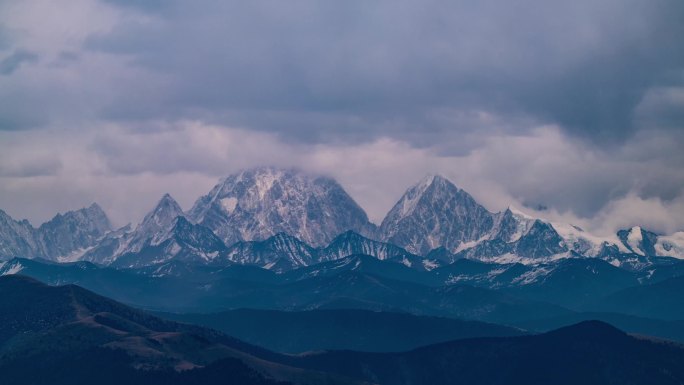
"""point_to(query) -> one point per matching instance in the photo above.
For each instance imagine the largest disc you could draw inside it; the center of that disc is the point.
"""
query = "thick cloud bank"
(571, 106)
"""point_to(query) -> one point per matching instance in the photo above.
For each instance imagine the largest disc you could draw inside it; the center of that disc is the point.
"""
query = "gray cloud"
(572, 105)
(128, 169)
(30, 168)
(20, 110)
(4, 38)
(12, 62)
(146, 5)
(384, 66)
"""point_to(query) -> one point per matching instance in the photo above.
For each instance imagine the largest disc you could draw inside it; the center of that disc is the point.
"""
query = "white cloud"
(651, 213)
(128, 168)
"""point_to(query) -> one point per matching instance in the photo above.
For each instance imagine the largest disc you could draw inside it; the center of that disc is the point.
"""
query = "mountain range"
(441, 291)
(56, 239)
(68, 335)
(301, 243)
(286, 219)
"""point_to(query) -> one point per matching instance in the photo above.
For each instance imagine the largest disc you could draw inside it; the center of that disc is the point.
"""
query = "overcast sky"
(573, 106)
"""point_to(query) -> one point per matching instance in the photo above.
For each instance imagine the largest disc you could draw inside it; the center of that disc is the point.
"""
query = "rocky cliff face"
(63, 235)
(435, 213)
(17, 238)
(286, 219)
(73, 231)
(256, 204)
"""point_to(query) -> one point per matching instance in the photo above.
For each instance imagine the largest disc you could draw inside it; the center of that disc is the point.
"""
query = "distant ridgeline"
(285, 219)
(67, 335)
(441, 292)
(281, 239)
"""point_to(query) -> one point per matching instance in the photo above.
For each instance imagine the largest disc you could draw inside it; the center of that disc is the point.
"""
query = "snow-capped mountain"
(164, 234)
(283, 252)
(65, 234)
(435, 213)
(182, 242)
(256, 204)
(11, 267)
(434, 218)
(639, 241)
(153, 230)
(155, 227)
(517, 237)
(106, 250)
(587, 244)
(639, 248)
(541, 240)
(286, 219)
(539, 243)
(73, 231)
(17, 238)
(280, 252)
(351, 243)
(510, 225)
(569, 280)
(520, 238)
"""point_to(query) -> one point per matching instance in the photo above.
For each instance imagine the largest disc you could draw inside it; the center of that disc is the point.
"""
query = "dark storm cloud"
(31, 168)
(147, 5)
(386, 66)
(13, 61)
(574, 105)
(4, 38)
(662, 107)
(155, 149)
(19, 112)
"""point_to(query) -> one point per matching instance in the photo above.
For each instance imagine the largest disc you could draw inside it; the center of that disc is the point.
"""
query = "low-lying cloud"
(128, 172)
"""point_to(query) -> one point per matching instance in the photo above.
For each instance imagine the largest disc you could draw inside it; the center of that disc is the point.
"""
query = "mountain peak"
(588, 330)
(167, 199)
(258, 203)
(156, 224)
(94, 207)
(435, 180)
(72, 231)
(516, 212)
(639, 240)
(269, 170)
(439, 179)
(426, 181)
(430, 185)
(264, 177)
(168, 204)
(433, 213)
(91, 213)
(163, 214)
